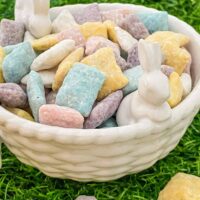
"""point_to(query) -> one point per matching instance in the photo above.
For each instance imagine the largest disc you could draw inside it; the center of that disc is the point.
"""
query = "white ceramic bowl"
(103, 154)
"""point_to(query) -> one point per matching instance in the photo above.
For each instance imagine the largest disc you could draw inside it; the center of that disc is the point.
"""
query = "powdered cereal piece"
(90, 13)
(157, 21)
(133, 58)
(134, 26)
(17, 64)
(36, 93)
(133, 76)
(65, 66)
(109, 123)
(51, 97)
(116, 15)
(12, 95)
(89, 29)
(12, 32)
(125, 40)
(112, 35)
(47, 77)
(53, 56)
(103, 110)
(167, 70)
(80, 88)
(64, 21)
(104, 60)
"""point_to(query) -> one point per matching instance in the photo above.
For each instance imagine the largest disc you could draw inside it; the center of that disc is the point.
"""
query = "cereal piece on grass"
(134, 26)
(171, 45)
(157, 21)
(111, 30)
(90, 13)
(109, 123)
(51, 97)
(64, 21)
(167, 70)
(53, 56)
(104, 110)
(73, 33)
(55, 115)
(65, 66)
(21, 113)
(176, 89)
(80, 88)
(47, 77)
(187, 84)
(17, 64)
(12, 95)
(36, 93)
(2, 56)
(133, 58)
(181, 187)
(125, 40)
(116, 15)
(12, 32)
(89, 29)
(44, 43)
(104, 60)
(133, 76)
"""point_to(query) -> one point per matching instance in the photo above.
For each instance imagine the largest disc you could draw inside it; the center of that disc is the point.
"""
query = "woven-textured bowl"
(103, 154)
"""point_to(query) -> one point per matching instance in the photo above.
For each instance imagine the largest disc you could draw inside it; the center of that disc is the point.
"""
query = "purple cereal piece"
(135, 27)
(167, 70)
(91, 13)
(12, 32)
(104, 110)
(51, 97)
(23, 86)
(133, 58)
(121, 62)
(12, 95)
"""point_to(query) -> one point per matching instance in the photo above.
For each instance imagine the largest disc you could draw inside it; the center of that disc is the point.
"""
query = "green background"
(18, 181)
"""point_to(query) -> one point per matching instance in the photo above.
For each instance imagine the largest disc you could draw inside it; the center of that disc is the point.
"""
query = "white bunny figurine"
(150, 101)
(35, 15)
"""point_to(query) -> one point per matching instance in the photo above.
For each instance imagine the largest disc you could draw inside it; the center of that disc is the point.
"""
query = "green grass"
(21, 182)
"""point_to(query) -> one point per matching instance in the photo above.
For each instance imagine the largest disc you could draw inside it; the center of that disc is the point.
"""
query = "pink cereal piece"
(104, 110)
(55, 115)
(134, 26)
(74, 34)
(116, 15)
(167, 70)
(90, 13)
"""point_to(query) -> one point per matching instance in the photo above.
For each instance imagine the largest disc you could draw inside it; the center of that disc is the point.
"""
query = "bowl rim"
(26, 128)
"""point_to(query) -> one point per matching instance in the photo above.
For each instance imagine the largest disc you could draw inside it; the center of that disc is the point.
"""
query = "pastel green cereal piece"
(36, 93)
(133, 76)
(109, 123)
(157, 21)
(80, 88)
(17, 64)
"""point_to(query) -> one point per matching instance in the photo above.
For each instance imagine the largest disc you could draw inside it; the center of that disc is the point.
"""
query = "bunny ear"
(41, 7)
(150, 55)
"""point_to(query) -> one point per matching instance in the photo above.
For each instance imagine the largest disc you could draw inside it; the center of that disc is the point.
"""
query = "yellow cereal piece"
(171, 44)
(104, 60)
(44, 43)
(2, 55)
(176, 89)
(21, 113)
(65, 66)
(89, 29)
(112, 35)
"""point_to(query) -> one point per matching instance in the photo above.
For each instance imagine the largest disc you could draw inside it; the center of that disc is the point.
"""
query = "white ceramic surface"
(103, 154)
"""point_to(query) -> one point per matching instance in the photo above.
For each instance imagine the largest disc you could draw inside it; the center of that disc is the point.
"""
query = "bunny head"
(153, 85)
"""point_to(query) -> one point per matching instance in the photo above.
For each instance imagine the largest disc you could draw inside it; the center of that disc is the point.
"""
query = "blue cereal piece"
(109, 123)
(10, 48)
(133, 76)
(80, 88)
(17, 64)
(36, 93)
(157, 21)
